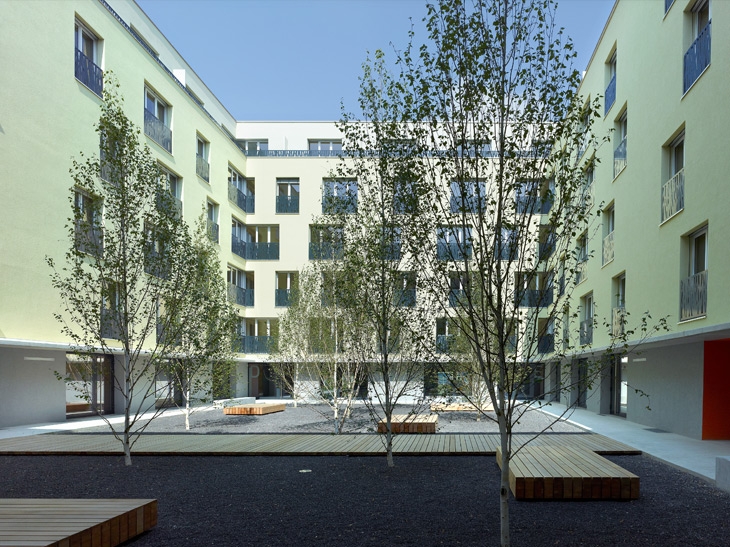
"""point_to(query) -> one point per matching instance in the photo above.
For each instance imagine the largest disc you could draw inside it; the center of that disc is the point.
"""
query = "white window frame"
(81, 31)
(698, 240)
(157, 106)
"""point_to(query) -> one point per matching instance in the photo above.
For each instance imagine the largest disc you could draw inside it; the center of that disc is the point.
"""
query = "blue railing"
(404, 298)
(697, 58)
(325, 251)
(88, 73)
(202, 167)
(619, 158)
(535, 298)
(282, 297)
(244, 202)
(335, 205)
(213, 231)
(586, 332)
(249, 250)
(241, 295)
(157, 130)
(293, 153)
(453, 250)
(238, 246)
(287, 204)
(455, 295)
(256, 344)
(546, 248)
(610, 96)
(444, 343)
(546, 343)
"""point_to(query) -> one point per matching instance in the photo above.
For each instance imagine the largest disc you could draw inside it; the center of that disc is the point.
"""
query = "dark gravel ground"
(358, 501)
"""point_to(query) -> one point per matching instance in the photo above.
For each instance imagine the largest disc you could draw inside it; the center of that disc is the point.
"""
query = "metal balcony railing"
(404, 298)
(608, 249)
(238, 246)
(610, 96)
(255, 344)
(213, 231)
(453, 250)
(251, 250)
(287, 204)
(88, 73)
(240, 295)
(546, 248)
(202, 167)
(618, 319)
(586, 332)
(619, 158)
(546, 344)
(581, 272)
(455, 295)
(535, 298)
(89, 239)
(325, 251)
(336, 205)
(673, 196)
(157, 130)
(110, 324)
(245, 203)
(697, 57)
(693, 296)
(444, 343)
(282, 297)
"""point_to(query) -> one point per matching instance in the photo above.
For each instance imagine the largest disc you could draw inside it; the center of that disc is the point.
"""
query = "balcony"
(610, 96)
(619, 158)
(287, 204)
(335, 205)
(456, 296)
(282, 298)
(262, 251)
(295, 153)
(166, 201)
(528, 205)
(404, 298)
(155, 264)
(391, 250)
(697, 58)
(546, 344)
(213, 231)
(157, 130)
(586, 332)
(444, 343)
(240, 295)
(88, 73)
(581, 273)
(238, 246)
(453, 250)
(608, 249)
(255, 344)
(693, 296)
(244, 202)
(546, 248)
(325, 251)
(111, 326)
(618, 320)
(202, 167)
(470, 204)
(534, 298)
(673, 196)
(88, 239)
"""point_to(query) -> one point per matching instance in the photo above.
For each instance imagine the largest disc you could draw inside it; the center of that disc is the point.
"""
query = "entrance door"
(619, 386)
(89, 385)
(254, 380)
(581, 383)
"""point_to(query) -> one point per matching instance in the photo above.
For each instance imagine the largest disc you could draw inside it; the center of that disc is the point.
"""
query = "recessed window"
(202, 167)
(88, 58)
(673, 185)
(697, 57)
(693, 288)
(287, 195)
(157, 115)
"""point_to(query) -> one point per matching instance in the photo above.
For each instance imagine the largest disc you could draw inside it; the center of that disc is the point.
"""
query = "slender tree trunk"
(389, 439)
(504, 488)
(187, 408)
(127, 403)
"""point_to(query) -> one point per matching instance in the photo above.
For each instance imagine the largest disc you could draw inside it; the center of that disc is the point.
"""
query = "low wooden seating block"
(410, 423)
(255, 409)
(561, 472)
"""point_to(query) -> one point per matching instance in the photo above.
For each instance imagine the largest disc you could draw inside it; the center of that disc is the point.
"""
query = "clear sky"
(299, 59)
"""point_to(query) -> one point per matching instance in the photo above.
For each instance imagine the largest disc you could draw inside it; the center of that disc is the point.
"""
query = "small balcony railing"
(213, 231)
(156, 129)
(404, 298)
(453, 250)
(469, 204)
(255, 344)
(89, 239)
(282, 298)
(444, 342)
(693, 296)
(618, 320)
(111, 326)
(546, 344)
(673, 196)
(262, 251)
(287, 204)
(202, 167)
(156, 264)
(697, 57)
(608, 248)
(586, 332)
(535, 298)
(238, 246)
(619, 158)
(336, 205)
(325, 251)
(88, 73)
(240, 295)
(610, 96)
(581, 272)
(546, 248)
(391, 250)
(456, 296)
(245, 203)
(166, 201)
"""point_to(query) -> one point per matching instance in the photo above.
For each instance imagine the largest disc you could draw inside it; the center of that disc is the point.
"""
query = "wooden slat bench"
(256, 409)
(565, 472)
(410, 423)
(72, 522)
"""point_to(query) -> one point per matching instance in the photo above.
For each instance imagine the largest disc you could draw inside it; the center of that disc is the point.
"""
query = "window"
(256, 147)
(202, 167)
(697, 57)
(467, 196)
(444, 335)
(325, 242)
(507, 245)
(155, 262)
(458, 285)
(405, 197)
(620, 135)
(258, 335)
(238, 237)
(609, 218)
(453, 242)
(241, 191)
(286, 284)
(325, 147)
(405, 290)
(87, 224)
(581, 255)
(610, 95)
(88, 58)
(212, 220)
(262, 242)
(693, 289)
(173, 184)
(240, 286)
(586, 324)
(111, 308)
(534, 289)
(157, 119)
(618, 313)
(673, 189)
(339, 196)
(287, 195)
(474, 149)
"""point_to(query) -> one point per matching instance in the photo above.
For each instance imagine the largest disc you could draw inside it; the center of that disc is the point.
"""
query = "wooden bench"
(410, 423)
(69, 522)
(255, 409)
(562, 472)
(458, 407)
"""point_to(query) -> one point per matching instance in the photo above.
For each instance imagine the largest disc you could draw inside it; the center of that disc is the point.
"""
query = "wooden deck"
(300, 444)
(565, 471)
(254, 409)
(74, 522)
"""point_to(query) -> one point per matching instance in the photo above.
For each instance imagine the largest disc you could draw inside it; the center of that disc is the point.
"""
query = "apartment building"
(659, 184)
(660, 190)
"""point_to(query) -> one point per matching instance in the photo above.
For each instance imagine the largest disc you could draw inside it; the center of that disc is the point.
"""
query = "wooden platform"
(565, 472)
(254, 409)
(410, 423)
(74, 522)
(458, 407)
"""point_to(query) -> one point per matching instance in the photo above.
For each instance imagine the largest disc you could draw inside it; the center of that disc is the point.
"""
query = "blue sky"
(299, 59)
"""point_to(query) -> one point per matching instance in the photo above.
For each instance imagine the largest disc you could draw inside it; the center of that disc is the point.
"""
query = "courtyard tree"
(502, 143)
(127, 270)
